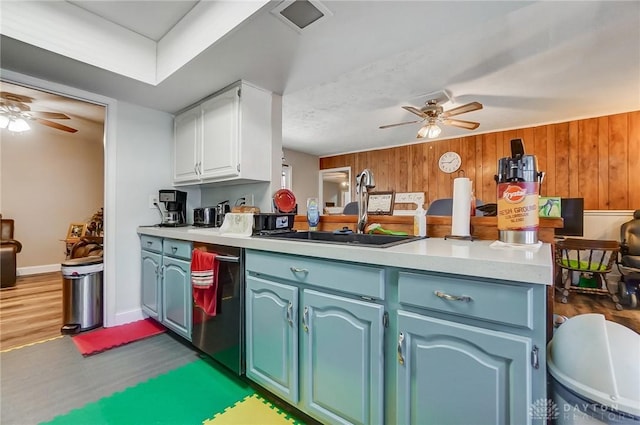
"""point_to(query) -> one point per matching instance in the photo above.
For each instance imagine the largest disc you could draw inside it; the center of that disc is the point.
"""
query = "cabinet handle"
(304, 319)
(298, 270)
(535, 362)
(452, 297)
(174, 249)
(149, 243)
(290, 313)
(400, 341)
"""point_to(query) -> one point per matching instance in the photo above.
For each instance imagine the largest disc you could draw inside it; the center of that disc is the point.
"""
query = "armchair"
(87, 247)
(9, 248)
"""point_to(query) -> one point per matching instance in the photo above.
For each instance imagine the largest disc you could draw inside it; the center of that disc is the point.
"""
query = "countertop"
(532, 264)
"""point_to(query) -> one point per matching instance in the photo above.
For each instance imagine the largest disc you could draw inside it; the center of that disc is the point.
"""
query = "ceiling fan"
(14, 113)
(433, 114)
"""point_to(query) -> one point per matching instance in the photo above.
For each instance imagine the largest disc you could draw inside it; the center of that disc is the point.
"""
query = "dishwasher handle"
(228, 258)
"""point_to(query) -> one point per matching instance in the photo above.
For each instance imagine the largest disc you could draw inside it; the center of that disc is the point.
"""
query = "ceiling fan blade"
(15, 97)
(473, 106)
(55, 125)
(50, 115)
(400, 123)
(469, 125)
(414, 110)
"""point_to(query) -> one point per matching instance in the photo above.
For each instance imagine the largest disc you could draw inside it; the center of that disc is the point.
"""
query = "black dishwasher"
(221, 336)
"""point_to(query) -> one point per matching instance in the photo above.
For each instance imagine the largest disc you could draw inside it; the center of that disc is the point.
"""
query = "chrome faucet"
(364, 182)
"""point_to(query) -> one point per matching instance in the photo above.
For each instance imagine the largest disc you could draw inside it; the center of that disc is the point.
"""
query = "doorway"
(52, 174)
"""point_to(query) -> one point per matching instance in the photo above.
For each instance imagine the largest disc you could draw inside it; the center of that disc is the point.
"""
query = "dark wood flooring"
(596, 303)
(32, 310)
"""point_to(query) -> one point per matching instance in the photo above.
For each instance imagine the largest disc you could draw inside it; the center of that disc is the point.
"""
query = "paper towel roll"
(461, 217)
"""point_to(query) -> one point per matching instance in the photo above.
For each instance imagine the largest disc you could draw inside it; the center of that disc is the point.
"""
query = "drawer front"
(178, 249)
(151, 243)
(496, 302)
(355, 279)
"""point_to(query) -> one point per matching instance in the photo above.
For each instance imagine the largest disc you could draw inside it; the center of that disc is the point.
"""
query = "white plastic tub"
(595, 372)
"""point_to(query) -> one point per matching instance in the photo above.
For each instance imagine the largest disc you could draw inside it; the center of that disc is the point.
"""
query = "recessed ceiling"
(159, 17)
(528, 63)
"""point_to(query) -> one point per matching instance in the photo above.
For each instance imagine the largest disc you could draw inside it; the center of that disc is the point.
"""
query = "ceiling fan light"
(4, 121)
(430, 131)
(433, 131)
(18, 125)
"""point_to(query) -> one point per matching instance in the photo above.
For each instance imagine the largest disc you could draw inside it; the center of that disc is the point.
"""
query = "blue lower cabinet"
(176, 296)
(342, 359)
(272, 336)
(151, 281)
(452, 373)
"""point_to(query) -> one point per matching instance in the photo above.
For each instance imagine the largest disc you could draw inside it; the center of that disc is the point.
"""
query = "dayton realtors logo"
(578, 413)
(544, 409)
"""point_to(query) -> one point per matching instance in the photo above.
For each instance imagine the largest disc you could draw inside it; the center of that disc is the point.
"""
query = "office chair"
(351, 208)
(444, 206)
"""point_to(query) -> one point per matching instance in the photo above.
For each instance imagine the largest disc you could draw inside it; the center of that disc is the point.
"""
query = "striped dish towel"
(203, 269)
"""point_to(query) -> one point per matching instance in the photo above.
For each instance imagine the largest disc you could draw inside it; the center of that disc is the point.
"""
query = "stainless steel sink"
(377, 241)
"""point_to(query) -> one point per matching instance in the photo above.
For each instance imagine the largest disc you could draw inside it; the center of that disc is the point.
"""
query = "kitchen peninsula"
(403, 334)
(485, 228)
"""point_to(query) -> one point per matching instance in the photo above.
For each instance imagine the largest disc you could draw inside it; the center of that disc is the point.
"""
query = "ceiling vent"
(300, 14)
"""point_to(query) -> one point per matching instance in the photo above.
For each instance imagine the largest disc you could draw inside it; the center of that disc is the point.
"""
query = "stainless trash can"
(81, 294)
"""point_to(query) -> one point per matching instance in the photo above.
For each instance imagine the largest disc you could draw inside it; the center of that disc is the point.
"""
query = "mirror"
(335, 189)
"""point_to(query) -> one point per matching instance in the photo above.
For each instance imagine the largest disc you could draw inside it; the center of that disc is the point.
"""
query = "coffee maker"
(175, 203)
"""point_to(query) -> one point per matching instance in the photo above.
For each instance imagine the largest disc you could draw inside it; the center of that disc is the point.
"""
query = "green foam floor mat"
(187, 395)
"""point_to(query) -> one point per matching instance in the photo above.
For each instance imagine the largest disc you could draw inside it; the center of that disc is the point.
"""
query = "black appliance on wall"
(175, 203)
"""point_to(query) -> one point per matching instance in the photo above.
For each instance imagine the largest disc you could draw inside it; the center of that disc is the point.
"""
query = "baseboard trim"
(47, 268)
(125, 317)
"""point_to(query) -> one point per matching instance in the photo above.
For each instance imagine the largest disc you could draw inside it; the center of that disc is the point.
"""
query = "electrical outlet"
(153, 200)
(248, 199)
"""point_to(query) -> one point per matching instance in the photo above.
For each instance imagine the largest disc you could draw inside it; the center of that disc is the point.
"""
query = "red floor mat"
(103, 339)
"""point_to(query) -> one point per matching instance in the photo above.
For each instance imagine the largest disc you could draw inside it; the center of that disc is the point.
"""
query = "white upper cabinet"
(225, 139)
(187, 137)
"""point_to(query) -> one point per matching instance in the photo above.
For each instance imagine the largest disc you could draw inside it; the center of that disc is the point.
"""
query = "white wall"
(144, 141)
(605, 224)
(305, 176)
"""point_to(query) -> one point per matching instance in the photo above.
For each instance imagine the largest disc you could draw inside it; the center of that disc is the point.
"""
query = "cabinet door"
(342, 359)
(176, 296)
(150, 284)
(272, 336)
(450, 373)
(220, 135)
(187, 133)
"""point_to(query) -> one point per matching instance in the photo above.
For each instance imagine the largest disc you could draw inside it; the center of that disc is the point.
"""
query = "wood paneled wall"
(597, 159)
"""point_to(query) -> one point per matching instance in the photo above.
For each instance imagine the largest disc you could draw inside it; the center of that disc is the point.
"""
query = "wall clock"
(449, 162)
